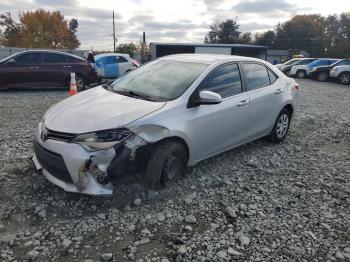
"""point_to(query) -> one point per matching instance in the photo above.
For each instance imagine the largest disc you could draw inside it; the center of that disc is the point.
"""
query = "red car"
(45, 69)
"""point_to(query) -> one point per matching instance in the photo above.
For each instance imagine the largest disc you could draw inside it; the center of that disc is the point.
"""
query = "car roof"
(48, 51)
(110, 54)
(208, 58)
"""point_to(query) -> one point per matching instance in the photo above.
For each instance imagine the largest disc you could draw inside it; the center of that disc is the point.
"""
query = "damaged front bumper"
(75, 169)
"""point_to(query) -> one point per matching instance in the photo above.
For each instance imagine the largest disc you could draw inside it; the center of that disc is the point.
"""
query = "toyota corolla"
(160, 118)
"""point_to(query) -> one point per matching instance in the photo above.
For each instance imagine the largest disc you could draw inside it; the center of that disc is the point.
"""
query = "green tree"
(246, 38)
(225, 32)
(266, 39)
(128, 48)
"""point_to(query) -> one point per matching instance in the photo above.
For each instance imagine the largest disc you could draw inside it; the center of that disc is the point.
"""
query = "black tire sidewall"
(340, 78)
(77, 76)
(300, 71)
(273, 135)
(155, 166)
(319, 77)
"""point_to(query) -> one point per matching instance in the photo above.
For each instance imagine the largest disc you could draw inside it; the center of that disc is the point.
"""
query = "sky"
(170, 21)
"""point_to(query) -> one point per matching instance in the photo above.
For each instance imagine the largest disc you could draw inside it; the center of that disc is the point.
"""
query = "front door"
(215, 128)
(24, 72)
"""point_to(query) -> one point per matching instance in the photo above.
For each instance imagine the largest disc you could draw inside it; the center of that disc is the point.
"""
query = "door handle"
(242, 103)
(278, 91)
(33, 67)
(66, 66)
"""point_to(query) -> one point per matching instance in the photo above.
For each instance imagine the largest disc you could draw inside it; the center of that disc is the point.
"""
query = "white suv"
(342, 73)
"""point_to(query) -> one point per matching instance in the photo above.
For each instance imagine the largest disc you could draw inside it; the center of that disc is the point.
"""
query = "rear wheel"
(281, 127)
(166, 165)
(322, 76)
(81, 83)
(301, 74)
(344, 78)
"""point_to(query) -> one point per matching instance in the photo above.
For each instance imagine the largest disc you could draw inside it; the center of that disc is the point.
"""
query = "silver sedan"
(158, 119)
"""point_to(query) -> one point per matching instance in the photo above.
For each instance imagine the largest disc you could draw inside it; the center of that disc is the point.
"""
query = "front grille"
(61, 136)
(53, 163)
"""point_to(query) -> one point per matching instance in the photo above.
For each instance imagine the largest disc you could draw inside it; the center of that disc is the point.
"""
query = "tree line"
(318, 35)
(321, 36)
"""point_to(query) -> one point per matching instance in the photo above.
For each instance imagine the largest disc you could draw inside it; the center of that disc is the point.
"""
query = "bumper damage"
(89, 172)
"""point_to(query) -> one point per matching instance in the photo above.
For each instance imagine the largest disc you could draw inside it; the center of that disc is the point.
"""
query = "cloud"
(264, 6)
(248, 27)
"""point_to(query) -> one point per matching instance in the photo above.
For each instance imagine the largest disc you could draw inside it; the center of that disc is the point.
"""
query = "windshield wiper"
(134, 94)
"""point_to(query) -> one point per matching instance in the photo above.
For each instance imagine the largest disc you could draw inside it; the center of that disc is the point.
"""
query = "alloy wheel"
(80, 83)
(300, 74)
(322, 77)
(282, 126)
(345, 79)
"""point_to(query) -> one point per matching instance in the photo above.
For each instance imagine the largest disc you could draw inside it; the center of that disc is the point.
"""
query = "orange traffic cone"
(73, 85)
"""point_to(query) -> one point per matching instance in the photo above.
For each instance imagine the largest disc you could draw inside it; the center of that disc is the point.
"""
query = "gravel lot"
(259, 202)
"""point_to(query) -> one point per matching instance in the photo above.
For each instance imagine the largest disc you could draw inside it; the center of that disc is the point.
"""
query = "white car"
(302, 71)
(113, 65)
(342, 73)
(160, 118)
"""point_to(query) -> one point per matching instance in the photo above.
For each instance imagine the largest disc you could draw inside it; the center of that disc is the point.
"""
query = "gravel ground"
(258, 202)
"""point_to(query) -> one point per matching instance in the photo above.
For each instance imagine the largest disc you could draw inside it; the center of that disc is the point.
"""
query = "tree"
(40, 29)
(129, 48)
(246, 38)
(225, 32)
(10, 34)
(266, 39)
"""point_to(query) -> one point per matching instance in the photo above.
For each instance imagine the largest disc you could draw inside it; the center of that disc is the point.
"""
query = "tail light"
(135, 64)
(296, 86)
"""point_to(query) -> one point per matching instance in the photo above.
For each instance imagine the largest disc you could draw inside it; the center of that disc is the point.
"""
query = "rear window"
(256, 75)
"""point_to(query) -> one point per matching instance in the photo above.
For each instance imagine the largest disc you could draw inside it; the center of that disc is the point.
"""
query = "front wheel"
(281, 127)
(344, 78)
(301, 74)
(166, 165)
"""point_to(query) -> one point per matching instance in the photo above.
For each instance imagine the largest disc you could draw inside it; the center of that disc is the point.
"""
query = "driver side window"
(224, 80)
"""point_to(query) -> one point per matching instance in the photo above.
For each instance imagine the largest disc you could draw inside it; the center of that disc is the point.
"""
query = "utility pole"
(113, 34)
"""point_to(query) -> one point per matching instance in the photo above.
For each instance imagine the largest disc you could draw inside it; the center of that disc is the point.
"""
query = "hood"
(97, 109)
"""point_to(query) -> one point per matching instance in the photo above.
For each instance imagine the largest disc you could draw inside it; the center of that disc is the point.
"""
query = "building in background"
(163, 49)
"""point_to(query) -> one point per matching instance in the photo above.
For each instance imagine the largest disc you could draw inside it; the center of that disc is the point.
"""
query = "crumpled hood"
(97, 109)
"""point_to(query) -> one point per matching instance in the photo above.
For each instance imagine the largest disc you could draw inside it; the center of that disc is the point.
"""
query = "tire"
(287, 73)
(166, 165)
(81, 82)
(344, 78)
(301, 74)
(322, 76)
(281, 127)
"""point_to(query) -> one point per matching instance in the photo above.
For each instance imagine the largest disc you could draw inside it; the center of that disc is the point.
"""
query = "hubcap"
(322, 77)
(345, 79)
(282, 126)
(171, 169)
(301, 74)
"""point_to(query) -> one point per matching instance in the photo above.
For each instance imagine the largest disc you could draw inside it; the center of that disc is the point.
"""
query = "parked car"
(113, 65)
(168, 114)
(342, 73)
(286, 67)
(42, 68)
(321, 73)
(302, 71)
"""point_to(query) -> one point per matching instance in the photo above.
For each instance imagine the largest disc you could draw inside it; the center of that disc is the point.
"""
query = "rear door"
(265, 95)
(215, 128)
(56, 69)
(24, 72)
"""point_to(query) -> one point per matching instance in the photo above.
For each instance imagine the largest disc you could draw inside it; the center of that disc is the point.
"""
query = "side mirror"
(209, 98)
(11, 62)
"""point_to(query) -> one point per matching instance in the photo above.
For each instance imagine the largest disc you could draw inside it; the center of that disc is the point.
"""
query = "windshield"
(160, 80)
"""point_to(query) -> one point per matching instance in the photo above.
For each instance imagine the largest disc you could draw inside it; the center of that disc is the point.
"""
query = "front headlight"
(102, 139)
